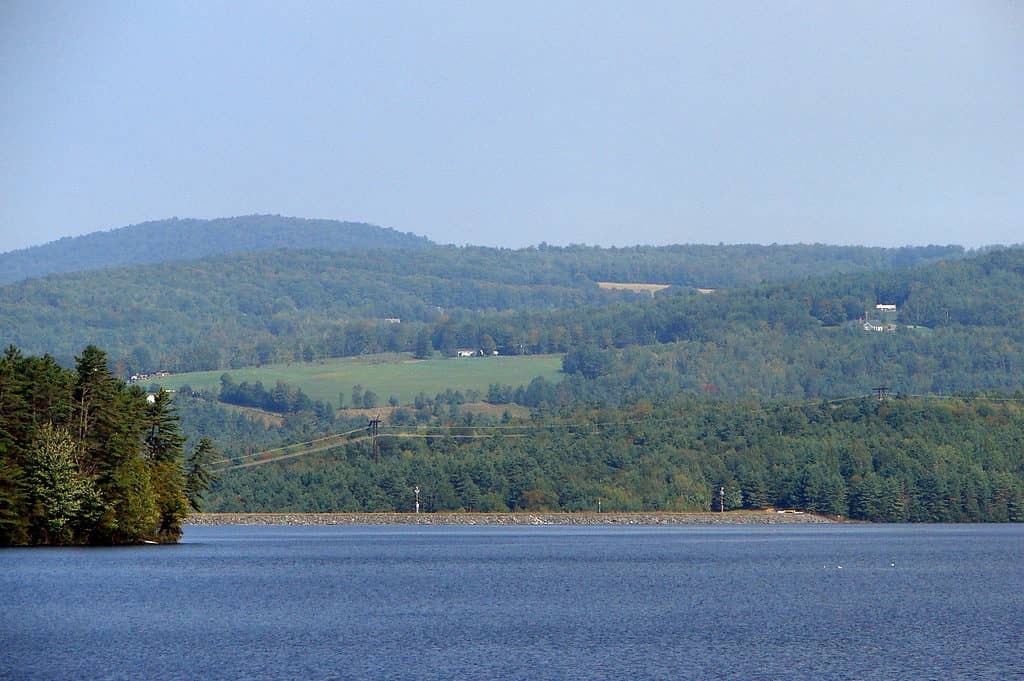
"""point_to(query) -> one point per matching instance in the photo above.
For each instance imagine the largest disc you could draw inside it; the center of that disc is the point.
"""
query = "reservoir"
(423, 603)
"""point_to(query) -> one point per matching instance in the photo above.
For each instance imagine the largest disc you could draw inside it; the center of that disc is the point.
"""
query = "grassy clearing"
(385, 375)
(635, 288)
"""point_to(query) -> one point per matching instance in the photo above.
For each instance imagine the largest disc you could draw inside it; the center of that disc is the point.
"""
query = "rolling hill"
(186, 239)
(240, 309)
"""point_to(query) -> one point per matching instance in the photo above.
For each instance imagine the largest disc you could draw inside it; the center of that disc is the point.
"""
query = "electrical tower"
(373, 427)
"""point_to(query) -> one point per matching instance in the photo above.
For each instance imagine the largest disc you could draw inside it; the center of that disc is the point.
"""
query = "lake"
(684, 602)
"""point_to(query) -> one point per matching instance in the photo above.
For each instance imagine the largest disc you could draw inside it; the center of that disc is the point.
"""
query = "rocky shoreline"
(769, 517)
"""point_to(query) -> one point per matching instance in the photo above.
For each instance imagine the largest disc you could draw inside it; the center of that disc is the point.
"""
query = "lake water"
(766, 602)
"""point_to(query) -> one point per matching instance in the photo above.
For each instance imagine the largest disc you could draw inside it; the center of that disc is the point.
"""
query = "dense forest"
(85, 459)
(290, 305)
(960, 326)
(174, 239)
(918, 460)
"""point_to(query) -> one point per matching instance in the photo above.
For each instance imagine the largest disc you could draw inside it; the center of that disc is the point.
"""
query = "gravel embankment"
(730, 518)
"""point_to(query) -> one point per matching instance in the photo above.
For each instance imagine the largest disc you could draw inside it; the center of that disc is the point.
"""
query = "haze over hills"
(185, 239)
(179, 239)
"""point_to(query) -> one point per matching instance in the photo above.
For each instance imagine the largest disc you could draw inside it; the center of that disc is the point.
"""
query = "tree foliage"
(250, 308)
(84, 459)
(956, 460)
(198, 476)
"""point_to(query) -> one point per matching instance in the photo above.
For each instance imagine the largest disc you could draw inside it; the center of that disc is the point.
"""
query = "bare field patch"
(267, 418)
(636, 288)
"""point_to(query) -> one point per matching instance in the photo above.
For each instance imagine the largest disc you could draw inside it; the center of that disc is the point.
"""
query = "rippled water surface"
(772, 602)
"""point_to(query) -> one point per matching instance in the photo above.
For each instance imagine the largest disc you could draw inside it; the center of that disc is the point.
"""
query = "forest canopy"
(243, 309)
(86, 459)
(897, 460)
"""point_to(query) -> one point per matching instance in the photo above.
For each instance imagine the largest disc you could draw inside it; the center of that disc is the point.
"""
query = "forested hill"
(175, 239)
(957, 326)
(283, 305)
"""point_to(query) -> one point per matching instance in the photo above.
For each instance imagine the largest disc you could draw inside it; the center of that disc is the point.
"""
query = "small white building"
(883, 319)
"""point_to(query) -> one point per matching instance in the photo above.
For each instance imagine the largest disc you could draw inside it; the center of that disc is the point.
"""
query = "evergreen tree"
(15, 417)
(424, 346)
(57, 489)
(164, 440)
(83, 458)
(14, 526)
(198, 476)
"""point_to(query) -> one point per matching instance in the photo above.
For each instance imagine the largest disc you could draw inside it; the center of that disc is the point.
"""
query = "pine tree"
(164, 450)
(15, 421)
(198, 476)
(105, 422)
(13, 521)
(164, 440)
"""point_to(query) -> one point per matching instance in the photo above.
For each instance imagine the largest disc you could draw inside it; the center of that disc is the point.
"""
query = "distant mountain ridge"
(186, 239)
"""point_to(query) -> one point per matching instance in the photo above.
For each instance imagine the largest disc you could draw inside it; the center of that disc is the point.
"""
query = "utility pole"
(372, 427)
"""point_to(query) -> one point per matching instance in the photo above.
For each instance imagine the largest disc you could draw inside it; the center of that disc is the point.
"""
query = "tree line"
(900, 460)
(282, 398)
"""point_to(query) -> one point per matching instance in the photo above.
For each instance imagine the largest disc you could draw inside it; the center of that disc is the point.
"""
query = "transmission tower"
(373, 427)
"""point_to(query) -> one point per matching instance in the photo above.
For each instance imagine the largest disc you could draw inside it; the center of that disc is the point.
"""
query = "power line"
(283, 447)
(376, 430)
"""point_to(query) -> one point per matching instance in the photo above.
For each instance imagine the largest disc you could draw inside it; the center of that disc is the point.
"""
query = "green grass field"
(385, 375)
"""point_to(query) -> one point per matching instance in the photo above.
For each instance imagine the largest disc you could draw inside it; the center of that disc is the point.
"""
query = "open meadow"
(386, 375)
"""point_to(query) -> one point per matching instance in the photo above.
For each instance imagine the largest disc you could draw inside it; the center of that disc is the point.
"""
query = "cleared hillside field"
(635, 288)
(385, 375)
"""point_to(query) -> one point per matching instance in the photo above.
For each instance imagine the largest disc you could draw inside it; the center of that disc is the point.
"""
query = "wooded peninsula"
(85, 459)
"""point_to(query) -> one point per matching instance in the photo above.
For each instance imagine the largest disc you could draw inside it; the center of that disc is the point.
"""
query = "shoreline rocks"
(769, 517)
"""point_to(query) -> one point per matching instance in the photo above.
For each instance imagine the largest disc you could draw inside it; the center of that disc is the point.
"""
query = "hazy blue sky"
(507, 124)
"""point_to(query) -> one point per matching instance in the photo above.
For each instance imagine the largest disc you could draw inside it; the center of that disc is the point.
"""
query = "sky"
(508, 124)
